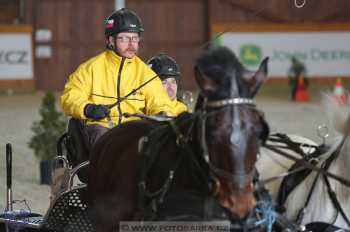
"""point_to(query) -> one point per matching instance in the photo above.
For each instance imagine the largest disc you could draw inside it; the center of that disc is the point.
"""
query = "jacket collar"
(116, 58)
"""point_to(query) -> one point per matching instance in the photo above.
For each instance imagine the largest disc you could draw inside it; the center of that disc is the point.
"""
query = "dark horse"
(209, 154)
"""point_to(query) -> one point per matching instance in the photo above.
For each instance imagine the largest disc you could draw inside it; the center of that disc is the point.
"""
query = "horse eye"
(262, 131)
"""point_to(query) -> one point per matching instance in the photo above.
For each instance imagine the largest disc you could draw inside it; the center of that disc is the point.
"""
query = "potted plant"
(46, 134)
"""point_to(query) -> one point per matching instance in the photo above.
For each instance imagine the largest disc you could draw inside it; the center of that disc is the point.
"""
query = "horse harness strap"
(297, 172)
(331, 193)
(335, 201)
(150, 152)
(301, 212)
(319, 151)
(182, 140)
(296, 146)
(325, 165)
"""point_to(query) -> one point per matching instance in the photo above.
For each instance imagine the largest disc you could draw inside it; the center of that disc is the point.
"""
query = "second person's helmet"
(122, 20)
(164, 66)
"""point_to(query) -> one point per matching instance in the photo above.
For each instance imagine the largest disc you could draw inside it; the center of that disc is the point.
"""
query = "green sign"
(250, 54)
(216, 39)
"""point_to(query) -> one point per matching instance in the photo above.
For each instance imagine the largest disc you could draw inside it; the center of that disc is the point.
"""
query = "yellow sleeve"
(77, 92)
(157, 100)
(180, 107)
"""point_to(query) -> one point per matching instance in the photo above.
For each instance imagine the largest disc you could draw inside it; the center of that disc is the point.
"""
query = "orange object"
(339, 92)
(301, 95)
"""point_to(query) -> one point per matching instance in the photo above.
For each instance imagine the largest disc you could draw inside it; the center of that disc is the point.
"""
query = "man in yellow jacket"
(116, 81)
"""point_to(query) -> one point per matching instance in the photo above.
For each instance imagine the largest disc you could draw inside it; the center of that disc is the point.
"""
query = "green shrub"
(48, 130)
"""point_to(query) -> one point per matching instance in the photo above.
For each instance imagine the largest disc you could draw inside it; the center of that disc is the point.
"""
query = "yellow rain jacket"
(107, 77)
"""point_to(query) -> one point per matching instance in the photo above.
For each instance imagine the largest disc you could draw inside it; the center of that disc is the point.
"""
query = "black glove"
(161, 114)
(96, 112)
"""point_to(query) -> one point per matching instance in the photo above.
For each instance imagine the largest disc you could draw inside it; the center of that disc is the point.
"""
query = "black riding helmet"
(164, 66)
(122, 20)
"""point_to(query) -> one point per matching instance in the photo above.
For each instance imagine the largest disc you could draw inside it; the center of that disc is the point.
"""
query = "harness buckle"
(142, 141)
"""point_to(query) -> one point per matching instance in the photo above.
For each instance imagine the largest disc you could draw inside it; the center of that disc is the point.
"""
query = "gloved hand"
(161, 114)
(96, 112)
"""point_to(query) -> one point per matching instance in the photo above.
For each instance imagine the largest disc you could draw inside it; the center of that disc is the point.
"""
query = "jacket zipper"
(118, 90)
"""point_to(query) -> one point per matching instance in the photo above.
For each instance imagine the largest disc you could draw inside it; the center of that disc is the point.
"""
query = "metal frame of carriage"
(68, 211)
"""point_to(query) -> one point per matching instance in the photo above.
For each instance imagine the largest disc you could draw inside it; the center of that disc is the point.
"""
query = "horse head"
(230, 127)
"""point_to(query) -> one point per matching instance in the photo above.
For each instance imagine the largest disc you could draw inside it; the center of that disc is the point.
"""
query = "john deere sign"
(324, 53)
(250, 54)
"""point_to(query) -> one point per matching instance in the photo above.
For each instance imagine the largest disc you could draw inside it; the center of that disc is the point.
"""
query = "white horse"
(273, 167)
(320, 207)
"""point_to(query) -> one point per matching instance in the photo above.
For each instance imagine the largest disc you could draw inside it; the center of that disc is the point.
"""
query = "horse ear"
(204, 82)
(257, 78)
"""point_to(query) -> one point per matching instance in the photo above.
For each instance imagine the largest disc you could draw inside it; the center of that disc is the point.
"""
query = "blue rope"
(268, 215)
(18, 216)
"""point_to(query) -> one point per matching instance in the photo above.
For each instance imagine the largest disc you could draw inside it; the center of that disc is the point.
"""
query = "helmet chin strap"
(110, 47)
(109, 44)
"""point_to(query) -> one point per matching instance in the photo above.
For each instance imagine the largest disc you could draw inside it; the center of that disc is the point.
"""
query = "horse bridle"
(334, 199)
(219, 104)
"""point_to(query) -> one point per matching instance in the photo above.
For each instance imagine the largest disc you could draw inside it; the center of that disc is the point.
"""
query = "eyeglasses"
(128, 39)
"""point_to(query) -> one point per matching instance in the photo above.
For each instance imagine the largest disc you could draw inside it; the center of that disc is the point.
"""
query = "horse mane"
(223, 68)
(220, 59)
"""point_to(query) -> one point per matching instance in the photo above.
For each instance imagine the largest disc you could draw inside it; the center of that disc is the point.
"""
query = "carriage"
(200, 177)
(67, 211)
